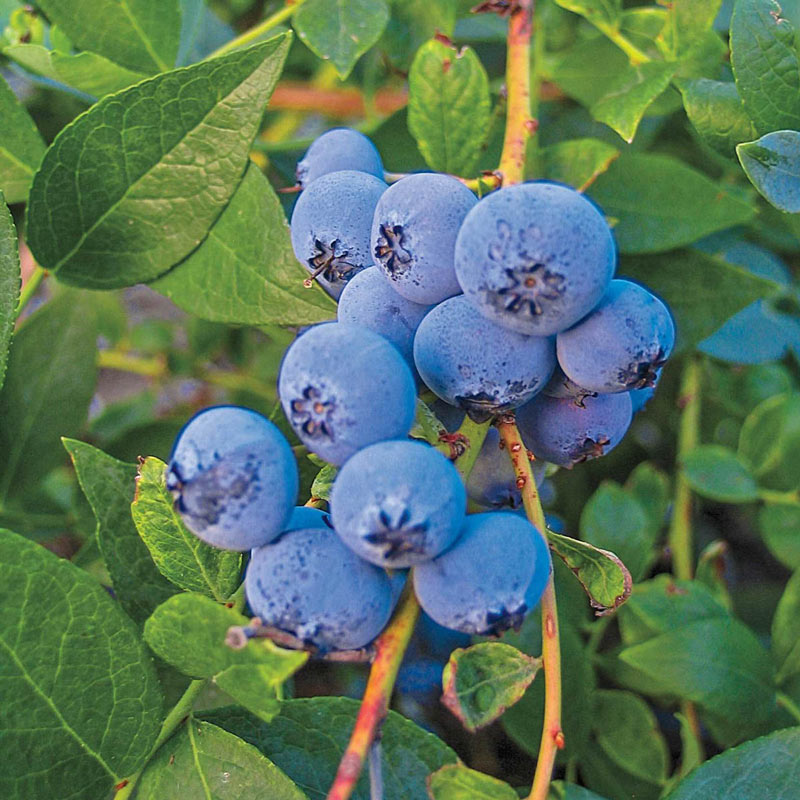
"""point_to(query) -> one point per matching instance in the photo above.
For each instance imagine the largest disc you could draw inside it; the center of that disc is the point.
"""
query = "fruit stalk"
(552, 735)
(519, 125)
(389, 650)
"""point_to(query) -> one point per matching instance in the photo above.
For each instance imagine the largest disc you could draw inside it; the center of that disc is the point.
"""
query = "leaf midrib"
(157, 60)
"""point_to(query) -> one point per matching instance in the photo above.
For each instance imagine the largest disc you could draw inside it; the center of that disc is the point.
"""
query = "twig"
(552, 734)
(257, 31)
(376, 771)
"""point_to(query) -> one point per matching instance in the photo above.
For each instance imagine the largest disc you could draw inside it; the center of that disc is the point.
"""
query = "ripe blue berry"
(470, 362)
(307, 517)
(490, 579)
(369, 300)
(336, 150)
(563, 433)
(535, 257)
(398, 503)
(343, 387)
(492, 481)
(414, 235)
(561, 386)
(622, 344)
(309, 584)
(330, 226)
(234, 478)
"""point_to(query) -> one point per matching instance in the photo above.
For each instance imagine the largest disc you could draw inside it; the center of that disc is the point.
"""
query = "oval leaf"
(9, 283)
(144, 174)
(457, 782)
(773, 165)
(779, 524)
(786, 631)
(448, 106)
(81, 701)
(577, 162)
(480, 682)
(715, 472)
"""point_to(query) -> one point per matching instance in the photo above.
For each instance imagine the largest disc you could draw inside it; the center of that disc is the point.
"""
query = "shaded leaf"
(9, 283)
(661, 203)
(141, 35)
(687, 22)
(448, 106)
(711, 567)
(204, 762)
(457, 782)
(480, 682)
(570, 791)
(589, 68)
(773, 165)
(767, 767)
(412, 23)
(252, 686)
(245, 271)
(786, 631)
(21, 146)
(109, 486)
(766, 65)
(603, 13)
(651, 487)
(341, 30)
(701, 291)
(577, 162)
(188, 631)
(113, 176)
(81, 701)
(49, 384)
(779, 524)
(715, 472)
(179, 555)
(307, 739)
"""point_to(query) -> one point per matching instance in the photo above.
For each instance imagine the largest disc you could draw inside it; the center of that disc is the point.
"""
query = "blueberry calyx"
(390, 251)
(498, 622)
(589, 449)
(399, 537)
(313, 413)
(643, 374)
(329, 264)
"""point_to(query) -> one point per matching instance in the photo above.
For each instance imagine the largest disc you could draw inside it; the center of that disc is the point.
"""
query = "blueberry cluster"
(499, 304)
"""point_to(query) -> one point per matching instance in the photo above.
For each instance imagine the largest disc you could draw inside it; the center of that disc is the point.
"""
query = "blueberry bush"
(316, 319)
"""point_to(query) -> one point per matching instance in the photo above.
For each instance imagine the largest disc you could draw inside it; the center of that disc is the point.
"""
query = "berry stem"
(552, 735)
(389, 650)
(519, 124)
(257, 31)
(468, 440)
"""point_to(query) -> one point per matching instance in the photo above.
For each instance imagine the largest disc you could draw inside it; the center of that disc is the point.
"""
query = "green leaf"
(21, 146)
(87, 72)
(341, 30)
(661, 203)
(307, 740)
(716, 472)
(688, 21)
(570, 791)
(786, 631)
(603, 576)
(254, 687)
(765, 64)
(773, 165)
(245, 271)
(615, 520)
(603, 13)
(702, 291)
(651, 487)
(768, 767)
(448, 106)
(81, 702)
(426, 425)
(627, 732)
(769, 442)
(179, 555)
(142, 35)
(480, 682)
(412, 23)
(323, 483)
(171, 148)
(577, 162)
(48, 388)
(715, 110)
(627, 98)
(204, 762)
(589, 68)
(457, 782)
(9, 283)
(711, 566)
(109, 487)
(779, 524)
(717, 663)
(189, 631)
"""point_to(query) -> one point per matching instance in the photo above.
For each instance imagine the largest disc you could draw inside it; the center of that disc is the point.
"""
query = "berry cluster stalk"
(552, 735)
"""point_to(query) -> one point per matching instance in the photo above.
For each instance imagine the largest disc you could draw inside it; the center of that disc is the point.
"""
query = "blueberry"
(535, 257)
(343, 387)
(336, 150)
(369, 300)
(641, 397)
(560, 385)
(470, 362)
(330, 226)
(490, 579)
(307, 517)
(492, 481)
(234, 478)
(558, 431)
(397, 504)
(622, 344)
(414, 235)
(309, 584)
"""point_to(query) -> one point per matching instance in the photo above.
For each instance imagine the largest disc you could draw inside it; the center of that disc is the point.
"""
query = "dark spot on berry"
(498, 622)
(643, 374)
(313, 413)
(390, 250)
(329, 262)
(398, 536)
(589, 448)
